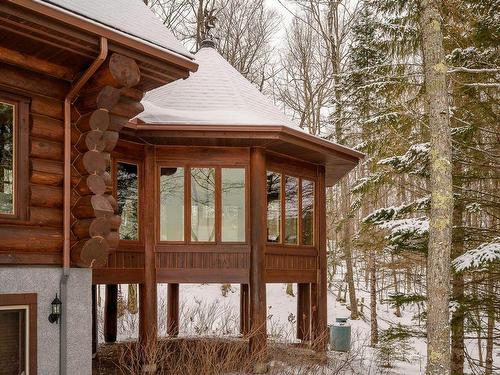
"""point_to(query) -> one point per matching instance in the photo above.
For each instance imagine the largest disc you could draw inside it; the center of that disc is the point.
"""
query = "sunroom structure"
(216, 185)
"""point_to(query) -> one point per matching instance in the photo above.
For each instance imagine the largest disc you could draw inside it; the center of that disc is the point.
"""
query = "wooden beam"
(95, 330)
(320, 289)
(244, 309)
(110, 312)
(258, 313)
(36, 64)
(147, 290)
(304, 312)
(173, 309)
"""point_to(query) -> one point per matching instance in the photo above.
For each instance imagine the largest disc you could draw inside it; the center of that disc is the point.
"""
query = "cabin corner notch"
(105, 105)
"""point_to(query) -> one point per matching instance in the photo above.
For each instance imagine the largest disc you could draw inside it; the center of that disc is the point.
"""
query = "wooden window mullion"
(187, 204)
(299, 218)
(218, 205)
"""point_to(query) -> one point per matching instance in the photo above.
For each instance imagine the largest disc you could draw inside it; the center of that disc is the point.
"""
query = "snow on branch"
(478, 258)
(384, 214)
(414, 161)
(463, 69)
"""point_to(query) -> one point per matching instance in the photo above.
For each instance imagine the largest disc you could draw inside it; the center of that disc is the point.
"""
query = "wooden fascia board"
(114, 36)
(283, 133)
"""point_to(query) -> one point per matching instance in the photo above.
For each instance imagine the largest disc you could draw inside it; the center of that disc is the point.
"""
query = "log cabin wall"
(37, 238)
(34, 236)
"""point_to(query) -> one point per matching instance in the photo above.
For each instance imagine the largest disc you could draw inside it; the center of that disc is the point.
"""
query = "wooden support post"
(258, 313)
(147, 290)
(320, 289)
(244, 309)
(95, 329)
(173, 309)
(110, 312)
(304, 312)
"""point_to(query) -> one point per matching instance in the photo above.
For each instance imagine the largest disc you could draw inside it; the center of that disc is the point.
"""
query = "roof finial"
(208, 23)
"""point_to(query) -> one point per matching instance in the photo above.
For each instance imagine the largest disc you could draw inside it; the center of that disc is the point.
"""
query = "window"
(202, 204)
(294, 202)
(273, 206)
(172, 204)
(307, 215)
(7, 142)
(233, 204)
(291, 210)
(127, 181)
(216, 204)
(14, 152)
(18, 338)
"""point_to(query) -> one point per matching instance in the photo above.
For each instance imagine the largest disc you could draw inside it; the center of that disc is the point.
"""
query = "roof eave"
(115, 36)
(350, 158)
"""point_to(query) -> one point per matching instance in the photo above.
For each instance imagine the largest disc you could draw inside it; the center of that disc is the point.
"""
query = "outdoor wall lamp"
(55, 310)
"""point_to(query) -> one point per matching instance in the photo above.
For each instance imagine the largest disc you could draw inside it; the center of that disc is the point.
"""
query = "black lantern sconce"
(55, 310)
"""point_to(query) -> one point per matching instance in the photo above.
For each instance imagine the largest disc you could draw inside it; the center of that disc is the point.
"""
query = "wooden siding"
(38, 239)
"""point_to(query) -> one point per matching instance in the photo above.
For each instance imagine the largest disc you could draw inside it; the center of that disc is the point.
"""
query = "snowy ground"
(205, 311)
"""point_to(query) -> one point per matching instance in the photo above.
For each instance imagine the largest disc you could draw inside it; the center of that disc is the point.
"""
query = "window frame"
(283, 173)
(20, 161)
(218, 202)
(27, 301)
(140, 177)
(140, 203)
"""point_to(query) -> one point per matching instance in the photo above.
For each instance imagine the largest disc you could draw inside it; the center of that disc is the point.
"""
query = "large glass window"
(291, 210)
(172, 204)
(127, 181)
(273, 206)
(307, 212)
(203, 204)
(290, 198)
(7, 140)
(233, 204)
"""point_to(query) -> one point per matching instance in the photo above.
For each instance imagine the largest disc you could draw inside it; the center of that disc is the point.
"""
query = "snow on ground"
(204, 310)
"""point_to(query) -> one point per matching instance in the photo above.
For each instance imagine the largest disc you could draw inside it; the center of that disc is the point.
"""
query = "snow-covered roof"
(217, 94)
(131, 17)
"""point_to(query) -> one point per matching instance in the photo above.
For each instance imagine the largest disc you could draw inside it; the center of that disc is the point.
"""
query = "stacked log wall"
(103, 108)
(111, 101)
(39, 238)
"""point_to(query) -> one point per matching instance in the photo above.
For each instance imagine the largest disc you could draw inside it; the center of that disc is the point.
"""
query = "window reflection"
(273, 206)
(307, 212)
(233, 204)
(172, 204)
(128, 200)
(203, 204)
(291, 210)
(6, 158)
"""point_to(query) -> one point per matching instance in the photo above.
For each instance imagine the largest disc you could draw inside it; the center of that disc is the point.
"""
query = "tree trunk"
(289, 289)
(373, 300)
(438, 260)
(457, 317)
(490, 325)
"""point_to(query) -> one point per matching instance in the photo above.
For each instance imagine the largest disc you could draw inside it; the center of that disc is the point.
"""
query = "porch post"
(147, 290)
(110, 312)
(95, 330)
(304, 312)
(244, 309)
(173, 309)
(258, 191)
(320, 289)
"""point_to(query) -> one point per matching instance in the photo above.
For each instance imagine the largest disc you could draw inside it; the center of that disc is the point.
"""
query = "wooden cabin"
(72, 74)
(202, 180)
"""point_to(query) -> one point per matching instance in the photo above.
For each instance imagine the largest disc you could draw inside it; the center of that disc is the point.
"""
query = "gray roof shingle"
(217, 94)
(131, 17)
